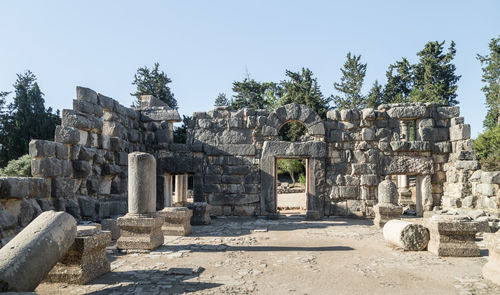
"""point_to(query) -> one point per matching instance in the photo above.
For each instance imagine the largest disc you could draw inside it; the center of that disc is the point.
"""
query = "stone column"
(86, 258)
(168, 190)
(179, 185)
(141, 226)
(27, 259)
(423, 191)
(387, 207)
(404, 192)
(185, 189)
(177, 220)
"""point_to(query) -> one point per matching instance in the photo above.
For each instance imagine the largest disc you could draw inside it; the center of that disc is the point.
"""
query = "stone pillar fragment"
(179, 191)
(407, 235)
(168, 190)
(201, 213)
(177, 221)
(387, 207)
(85, 259)
(491, 270)
(141, 227)
(453, 235)
(27, 259)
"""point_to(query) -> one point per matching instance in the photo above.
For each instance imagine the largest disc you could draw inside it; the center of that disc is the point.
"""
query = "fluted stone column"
(177, 217)
(168, 190)
(141, 226)
(387, 207)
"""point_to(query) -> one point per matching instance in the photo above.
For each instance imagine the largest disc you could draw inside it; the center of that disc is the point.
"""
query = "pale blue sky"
(204, 46)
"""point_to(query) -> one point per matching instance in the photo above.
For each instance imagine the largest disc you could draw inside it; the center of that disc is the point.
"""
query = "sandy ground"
(285, 256)
(292, 201)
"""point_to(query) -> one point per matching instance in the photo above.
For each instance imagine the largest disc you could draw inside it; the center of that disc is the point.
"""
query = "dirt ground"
(285, 256)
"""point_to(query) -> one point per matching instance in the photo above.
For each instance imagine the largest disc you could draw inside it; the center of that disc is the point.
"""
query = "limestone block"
(386, 212)
(448, 112)
(30, 255)
(489, 177)
(46, 167)
(41, 148)
(81, 169)
(405, 164)
(407, 235)
(491, 270)
(408, 112)
(105, 102)
(87, 107)
(87, 206)
(486, 189)
(177, 221)
(459, 132)
(85, 259)
(452, 235)
(110, 224)
(140, 233)
(201, 213)
(62, 152)
(86, 94)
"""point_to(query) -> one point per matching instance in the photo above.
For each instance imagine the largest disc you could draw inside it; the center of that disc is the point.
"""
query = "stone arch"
(295, 112)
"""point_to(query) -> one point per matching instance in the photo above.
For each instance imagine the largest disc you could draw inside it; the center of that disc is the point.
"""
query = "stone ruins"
(120, 167)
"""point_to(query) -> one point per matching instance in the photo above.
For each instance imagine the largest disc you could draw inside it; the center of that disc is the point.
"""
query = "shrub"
(487, 146)
(20, 167)
(302, 178)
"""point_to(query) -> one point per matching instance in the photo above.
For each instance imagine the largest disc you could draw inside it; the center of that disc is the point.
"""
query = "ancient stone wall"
(84, 170)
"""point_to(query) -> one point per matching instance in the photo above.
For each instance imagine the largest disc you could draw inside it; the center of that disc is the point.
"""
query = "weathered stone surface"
(387, 192)
(460, 132)
(29, 256)
(140, 233)
(85, 259)
(386, 212)
(86, 94)
(405, 164)
(408, 112)
(491, 270)
(407, 235)
(141, 183)
(110, 224)
(452, 235)
(46, 167)
(201, 213)
(41, 148)
(177, 221)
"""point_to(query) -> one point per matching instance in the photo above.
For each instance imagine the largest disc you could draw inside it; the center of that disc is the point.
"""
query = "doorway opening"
(292, 185)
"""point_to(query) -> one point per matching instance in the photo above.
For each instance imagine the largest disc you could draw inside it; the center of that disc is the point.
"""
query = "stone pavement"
(284, 256)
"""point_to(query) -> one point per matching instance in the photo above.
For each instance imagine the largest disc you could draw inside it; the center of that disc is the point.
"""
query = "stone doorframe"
(314, 151)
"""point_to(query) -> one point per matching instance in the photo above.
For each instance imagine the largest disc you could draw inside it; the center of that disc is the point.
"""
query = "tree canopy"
(351, 82)
(153, 82)
(222, 100)
(25, 118)
(491, 78)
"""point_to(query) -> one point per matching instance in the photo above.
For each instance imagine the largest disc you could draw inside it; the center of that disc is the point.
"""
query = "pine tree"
(491, 77)
(302, 88)
(351, 82)
(375, 96)
(222, 100)
(153, 82)
(25, 118)
(180, 133)
(434, 75)
(399, 82)
(248, 94)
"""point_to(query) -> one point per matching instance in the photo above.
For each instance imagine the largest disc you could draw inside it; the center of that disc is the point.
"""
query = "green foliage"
(25, 118)
(434, 75)
(487, 146)
(222, 100)
(20, 167)
(375, 96)
(491, 77)
(153, 82)
(302, 178)
(292, 131)
(399, 82)
(351, 82)
(180, 133)
(302, 88)
(290, 166)
(250, 94)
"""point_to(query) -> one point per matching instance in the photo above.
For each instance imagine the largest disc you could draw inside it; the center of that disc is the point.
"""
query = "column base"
(452, 235)
(139, 232)
(85, 260)
(386, 212)
(201, 213)
(177, 221)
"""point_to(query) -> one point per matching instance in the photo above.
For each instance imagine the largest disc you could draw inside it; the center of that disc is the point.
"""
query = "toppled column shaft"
(29, 256)
(407, 235)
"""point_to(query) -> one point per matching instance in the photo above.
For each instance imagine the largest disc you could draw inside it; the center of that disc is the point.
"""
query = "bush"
(487, 146)
(302, 178)
(20, 167)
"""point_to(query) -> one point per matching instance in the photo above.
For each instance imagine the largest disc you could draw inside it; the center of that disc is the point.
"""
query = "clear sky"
(204, 46)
